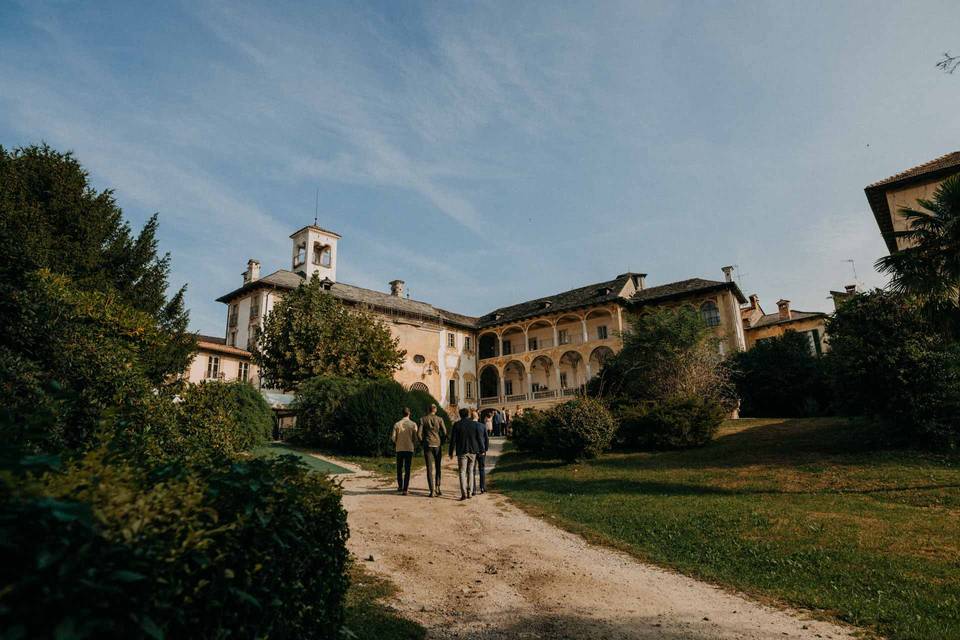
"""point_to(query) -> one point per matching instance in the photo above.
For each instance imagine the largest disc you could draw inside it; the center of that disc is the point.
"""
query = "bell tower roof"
(313, 227)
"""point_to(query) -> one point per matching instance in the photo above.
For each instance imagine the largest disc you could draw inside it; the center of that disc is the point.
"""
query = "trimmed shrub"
(255, 548)
(779, 377)
(357, 416)
(581, 428)
(528, 430)
(223, 418)
(318, 400)
(677, 423)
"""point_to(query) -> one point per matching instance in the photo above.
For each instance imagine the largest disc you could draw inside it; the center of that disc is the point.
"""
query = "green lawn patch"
(367, 615)
(315, 463)
(811, 512)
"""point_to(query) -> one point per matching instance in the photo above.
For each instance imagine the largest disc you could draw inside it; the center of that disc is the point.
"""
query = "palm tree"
(928, 268)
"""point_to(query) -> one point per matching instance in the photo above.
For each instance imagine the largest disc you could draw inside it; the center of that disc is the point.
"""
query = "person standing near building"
(506, 422)
(432, 433)
(405, 439)
(481, 464)
(466, 438)
(497, 422)
(488, 420)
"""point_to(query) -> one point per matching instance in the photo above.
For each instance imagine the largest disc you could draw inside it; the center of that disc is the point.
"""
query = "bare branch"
(949, 63)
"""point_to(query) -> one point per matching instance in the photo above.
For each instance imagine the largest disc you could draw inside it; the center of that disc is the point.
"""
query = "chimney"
(396, 288)
(727, 273)
(640, 281)
(851, 288)
(754, 301)
(252, 273)
(784, 307)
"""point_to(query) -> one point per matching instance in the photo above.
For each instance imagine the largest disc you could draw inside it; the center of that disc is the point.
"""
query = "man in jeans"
(466, 440)
(405, 438)
(432, 432)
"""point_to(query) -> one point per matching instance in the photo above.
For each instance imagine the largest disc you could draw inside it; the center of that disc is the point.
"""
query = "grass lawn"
(277, 449)
(368, 617)
(806, 512)
(383, 465)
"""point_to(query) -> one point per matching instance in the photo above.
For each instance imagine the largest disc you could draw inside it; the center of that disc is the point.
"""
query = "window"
(452, 340)
(813, 341)
(419, 386)
(254, 307)
(301, 256)
(508, 387)
(232, 320)
(710, 313)
(469, 389)
(243, 371)
(322, 254)
(507, 350)
(452, 392)
(419, 359)
(467, 343)
(602, 332)
(532, 344)
(563, 336)
(213, 367)
(233, 338)
(563, 380)
(252, 336)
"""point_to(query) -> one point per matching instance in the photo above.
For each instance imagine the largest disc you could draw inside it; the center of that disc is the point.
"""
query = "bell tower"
(315, 251)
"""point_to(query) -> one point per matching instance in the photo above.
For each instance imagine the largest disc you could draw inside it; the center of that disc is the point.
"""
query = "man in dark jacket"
(466, 438)
(480, 466)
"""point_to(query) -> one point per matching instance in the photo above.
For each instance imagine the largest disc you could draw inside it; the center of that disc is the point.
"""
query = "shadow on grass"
(604, 487)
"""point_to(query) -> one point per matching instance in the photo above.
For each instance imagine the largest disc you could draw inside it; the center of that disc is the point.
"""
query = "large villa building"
(530, 354)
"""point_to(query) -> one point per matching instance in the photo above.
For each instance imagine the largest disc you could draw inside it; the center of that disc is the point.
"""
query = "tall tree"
(311, 333)
(52, 218)
(928, 268)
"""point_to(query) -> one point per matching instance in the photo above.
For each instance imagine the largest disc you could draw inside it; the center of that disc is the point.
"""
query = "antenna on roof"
(316, 208)
(853, 265)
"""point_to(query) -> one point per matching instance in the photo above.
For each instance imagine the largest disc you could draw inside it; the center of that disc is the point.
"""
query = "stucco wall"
(772, 331)
(907, 198)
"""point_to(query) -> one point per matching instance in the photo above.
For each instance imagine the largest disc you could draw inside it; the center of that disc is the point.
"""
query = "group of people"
(469, 439)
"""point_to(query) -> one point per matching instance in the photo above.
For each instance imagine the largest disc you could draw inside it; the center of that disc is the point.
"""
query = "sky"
(492, 152)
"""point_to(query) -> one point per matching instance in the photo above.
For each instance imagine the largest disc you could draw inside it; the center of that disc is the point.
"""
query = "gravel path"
(484, 569)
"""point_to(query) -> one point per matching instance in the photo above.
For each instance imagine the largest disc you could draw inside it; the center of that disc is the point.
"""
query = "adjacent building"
(531, 354)
(759, 325)
(901, 191)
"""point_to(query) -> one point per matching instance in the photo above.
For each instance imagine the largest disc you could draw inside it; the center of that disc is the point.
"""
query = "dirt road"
(484, 569)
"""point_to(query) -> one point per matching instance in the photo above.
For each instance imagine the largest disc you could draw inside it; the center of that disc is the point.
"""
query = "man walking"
(466, 439)
(481, 463)
(431, 434)
(497, 422)
(405, 438)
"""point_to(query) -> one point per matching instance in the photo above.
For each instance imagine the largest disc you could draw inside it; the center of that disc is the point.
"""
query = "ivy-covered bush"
(357, 416)
(223, 418)
(581, 428)
(675, 423)
(252, 548)
(529, 430)
(779, 377)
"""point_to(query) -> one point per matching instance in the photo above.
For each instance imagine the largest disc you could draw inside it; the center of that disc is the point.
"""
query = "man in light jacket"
(432, 432)
(405, 439)
(466, 438)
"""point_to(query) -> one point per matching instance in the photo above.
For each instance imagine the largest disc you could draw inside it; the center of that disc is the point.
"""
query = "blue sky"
(492, 152)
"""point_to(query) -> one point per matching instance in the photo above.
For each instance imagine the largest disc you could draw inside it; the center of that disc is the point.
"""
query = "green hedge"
(580, 428)
(107, 548)
(677, 423)
(356, 416)
(223, 418)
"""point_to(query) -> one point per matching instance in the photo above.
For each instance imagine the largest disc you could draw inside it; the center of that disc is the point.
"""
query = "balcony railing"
(517, 397)
(489, 400)
(571, 391)
(546, 393)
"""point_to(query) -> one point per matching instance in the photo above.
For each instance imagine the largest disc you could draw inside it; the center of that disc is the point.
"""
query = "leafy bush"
(529, 430)
(581, 428)
(223, 418)
(318, 400)
(779, 377)
(891, 360)
(254, 548)
(356, 416)
(676, 423)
